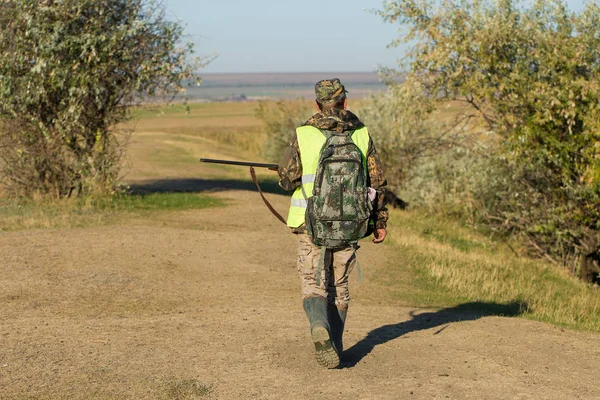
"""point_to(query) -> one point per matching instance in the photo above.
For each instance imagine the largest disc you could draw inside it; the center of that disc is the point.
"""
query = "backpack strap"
(303, 191)
(358, 268)
(321, 265)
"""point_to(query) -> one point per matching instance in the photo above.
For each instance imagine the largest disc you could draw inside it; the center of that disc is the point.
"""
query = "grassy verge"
(449, 265)
(25, 214)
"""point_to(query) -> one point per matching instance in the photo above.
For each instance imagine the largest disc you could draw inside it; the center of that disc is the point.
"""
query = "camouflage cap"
(329, 91)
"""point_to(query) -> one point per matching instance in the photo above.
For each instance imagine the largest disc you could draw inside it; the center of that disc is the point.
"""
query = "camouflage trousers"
(334, 273)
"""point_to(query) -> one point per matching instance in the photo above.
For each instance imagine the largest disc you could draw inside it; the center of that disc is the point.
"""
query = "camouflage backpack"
(337, 215)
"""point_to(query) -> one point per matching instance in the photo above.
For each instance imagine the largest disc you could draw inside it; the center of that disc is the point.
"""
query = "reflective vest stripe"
(308, 179)
(310, 142)
(299, 203)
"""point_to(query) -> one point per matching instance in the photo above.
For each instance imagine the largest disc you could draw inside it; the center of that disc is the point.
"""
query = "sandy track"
(126, 311)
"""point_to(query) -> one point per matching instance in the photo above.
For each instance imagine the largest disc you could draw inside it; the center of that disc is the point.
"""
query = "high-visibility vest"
(310, 142)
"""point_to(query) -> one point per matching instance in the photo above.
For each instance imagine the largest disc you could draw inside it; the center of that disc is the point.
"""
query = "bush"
(406, 135)
(69, 70)
(531, 74)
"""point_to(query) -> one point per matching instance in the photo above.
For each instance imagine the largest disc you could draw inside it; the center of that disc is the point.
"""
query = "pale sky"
(291, 36)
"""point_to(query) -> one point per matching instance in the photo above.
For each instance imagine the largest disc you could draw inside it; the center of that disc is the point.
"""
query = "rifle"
(272, 167)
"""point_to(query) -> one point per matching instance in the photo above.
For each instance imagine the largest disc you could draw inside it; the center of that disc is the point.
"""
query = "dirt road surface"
(206, 304)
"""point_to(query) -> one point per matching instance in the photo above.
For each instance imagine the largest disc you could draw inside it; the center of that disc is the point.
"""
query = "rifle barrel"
(242, 163)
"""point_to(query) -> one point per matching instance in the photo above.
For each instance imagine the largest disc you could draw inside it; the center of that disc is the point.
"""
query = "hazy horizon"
(270, 36)
(280, 85)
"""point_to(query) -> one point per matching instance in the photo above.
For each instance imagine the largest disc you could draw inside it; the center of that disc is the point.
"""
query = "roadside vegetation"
(69, 72)
(525, 157)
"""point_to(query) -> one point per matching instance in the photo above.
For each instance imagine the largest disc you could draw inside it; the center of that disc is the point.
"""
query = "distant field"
(254, 86)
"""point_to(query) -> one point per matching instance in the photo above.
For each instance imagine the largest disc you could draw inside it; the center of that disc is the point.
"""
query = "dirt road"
(205, 304)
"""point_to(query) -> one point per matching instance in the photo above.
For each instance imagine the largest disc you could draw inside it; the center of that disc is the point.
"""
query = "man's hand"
(380, 234)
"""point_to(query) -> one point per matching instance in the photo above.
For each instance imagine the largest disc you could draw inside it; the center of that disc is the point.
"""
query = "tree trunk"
(589, 264)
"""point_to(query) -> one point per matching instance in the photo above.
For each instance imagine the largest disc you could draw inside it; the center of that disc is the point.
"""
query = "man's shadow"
(464, 312)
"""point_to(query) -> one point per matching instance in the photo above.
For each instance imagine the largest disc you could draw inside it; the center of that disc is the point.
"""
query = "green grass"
(448, 265)
(155, 202)
(26, 214)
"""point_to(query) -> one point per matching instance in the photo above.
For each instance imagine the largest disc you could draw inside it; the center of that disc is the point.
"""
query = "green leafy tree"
(69, 71)
(530, 73)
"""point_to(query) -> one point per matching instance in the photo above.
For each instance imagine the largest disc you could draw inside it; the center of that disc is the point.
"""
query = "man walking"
(324, 270)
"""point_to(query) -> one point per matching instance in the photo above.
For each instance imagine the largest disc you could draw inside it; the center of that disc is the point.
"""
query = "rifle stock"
(272, 167)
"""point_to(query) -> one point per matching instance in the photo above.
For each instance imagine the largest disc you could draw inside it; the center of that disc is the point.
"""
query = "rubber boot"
(337, 320)
(325, 352)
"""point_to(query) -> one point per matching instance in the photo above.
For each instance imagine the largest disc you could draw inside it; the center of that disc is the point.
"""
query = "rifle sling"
(269, 206)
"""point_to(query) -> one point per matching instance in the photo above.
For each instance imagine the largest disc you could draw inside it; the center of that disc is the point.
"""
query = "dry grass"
(470, 267)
